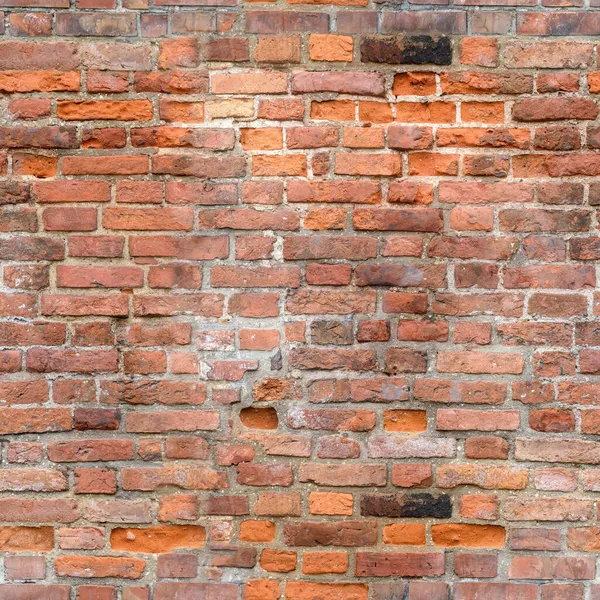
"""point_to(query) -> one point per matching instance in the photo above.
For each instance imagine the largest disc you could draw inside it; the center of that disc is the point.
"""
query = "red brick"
(399, 564)
(470, 590)
(278, 49)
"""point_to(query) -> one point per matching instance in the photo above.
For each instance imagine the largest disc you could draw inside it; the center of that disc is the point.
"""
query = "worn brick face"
(299, 300)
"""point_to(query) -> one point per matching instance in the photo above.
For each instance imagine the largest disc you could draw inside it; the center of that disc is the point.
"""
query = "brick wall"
(298, 301)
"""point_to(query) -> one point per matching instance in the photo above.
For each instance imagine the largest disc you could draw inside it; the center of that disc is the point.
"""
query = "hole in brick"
(259, 418)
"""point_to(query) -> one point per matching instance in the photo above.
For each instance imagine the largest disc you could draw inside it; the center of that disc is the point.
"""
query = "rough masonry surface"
(299, 300)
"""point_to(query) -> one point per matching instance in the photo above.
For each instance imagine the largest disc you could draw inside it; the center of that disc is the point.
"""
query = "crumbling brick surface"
(299, 301)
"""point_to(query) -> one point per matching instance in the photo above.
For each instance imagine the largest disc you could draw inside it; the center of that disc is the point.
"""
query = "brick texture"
(299, 299)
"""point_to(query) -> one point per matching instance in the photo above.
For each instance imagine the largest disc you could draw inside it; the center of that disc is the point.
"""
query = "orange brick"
(329, 47)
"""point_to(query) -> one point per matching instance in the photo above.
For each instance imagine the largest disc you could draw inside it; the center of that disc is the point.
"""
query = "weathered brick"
(406, 50)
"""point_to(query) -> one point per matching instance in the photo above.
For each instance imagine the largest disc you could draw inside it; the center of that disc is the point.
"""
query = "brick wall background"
(299, 301)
